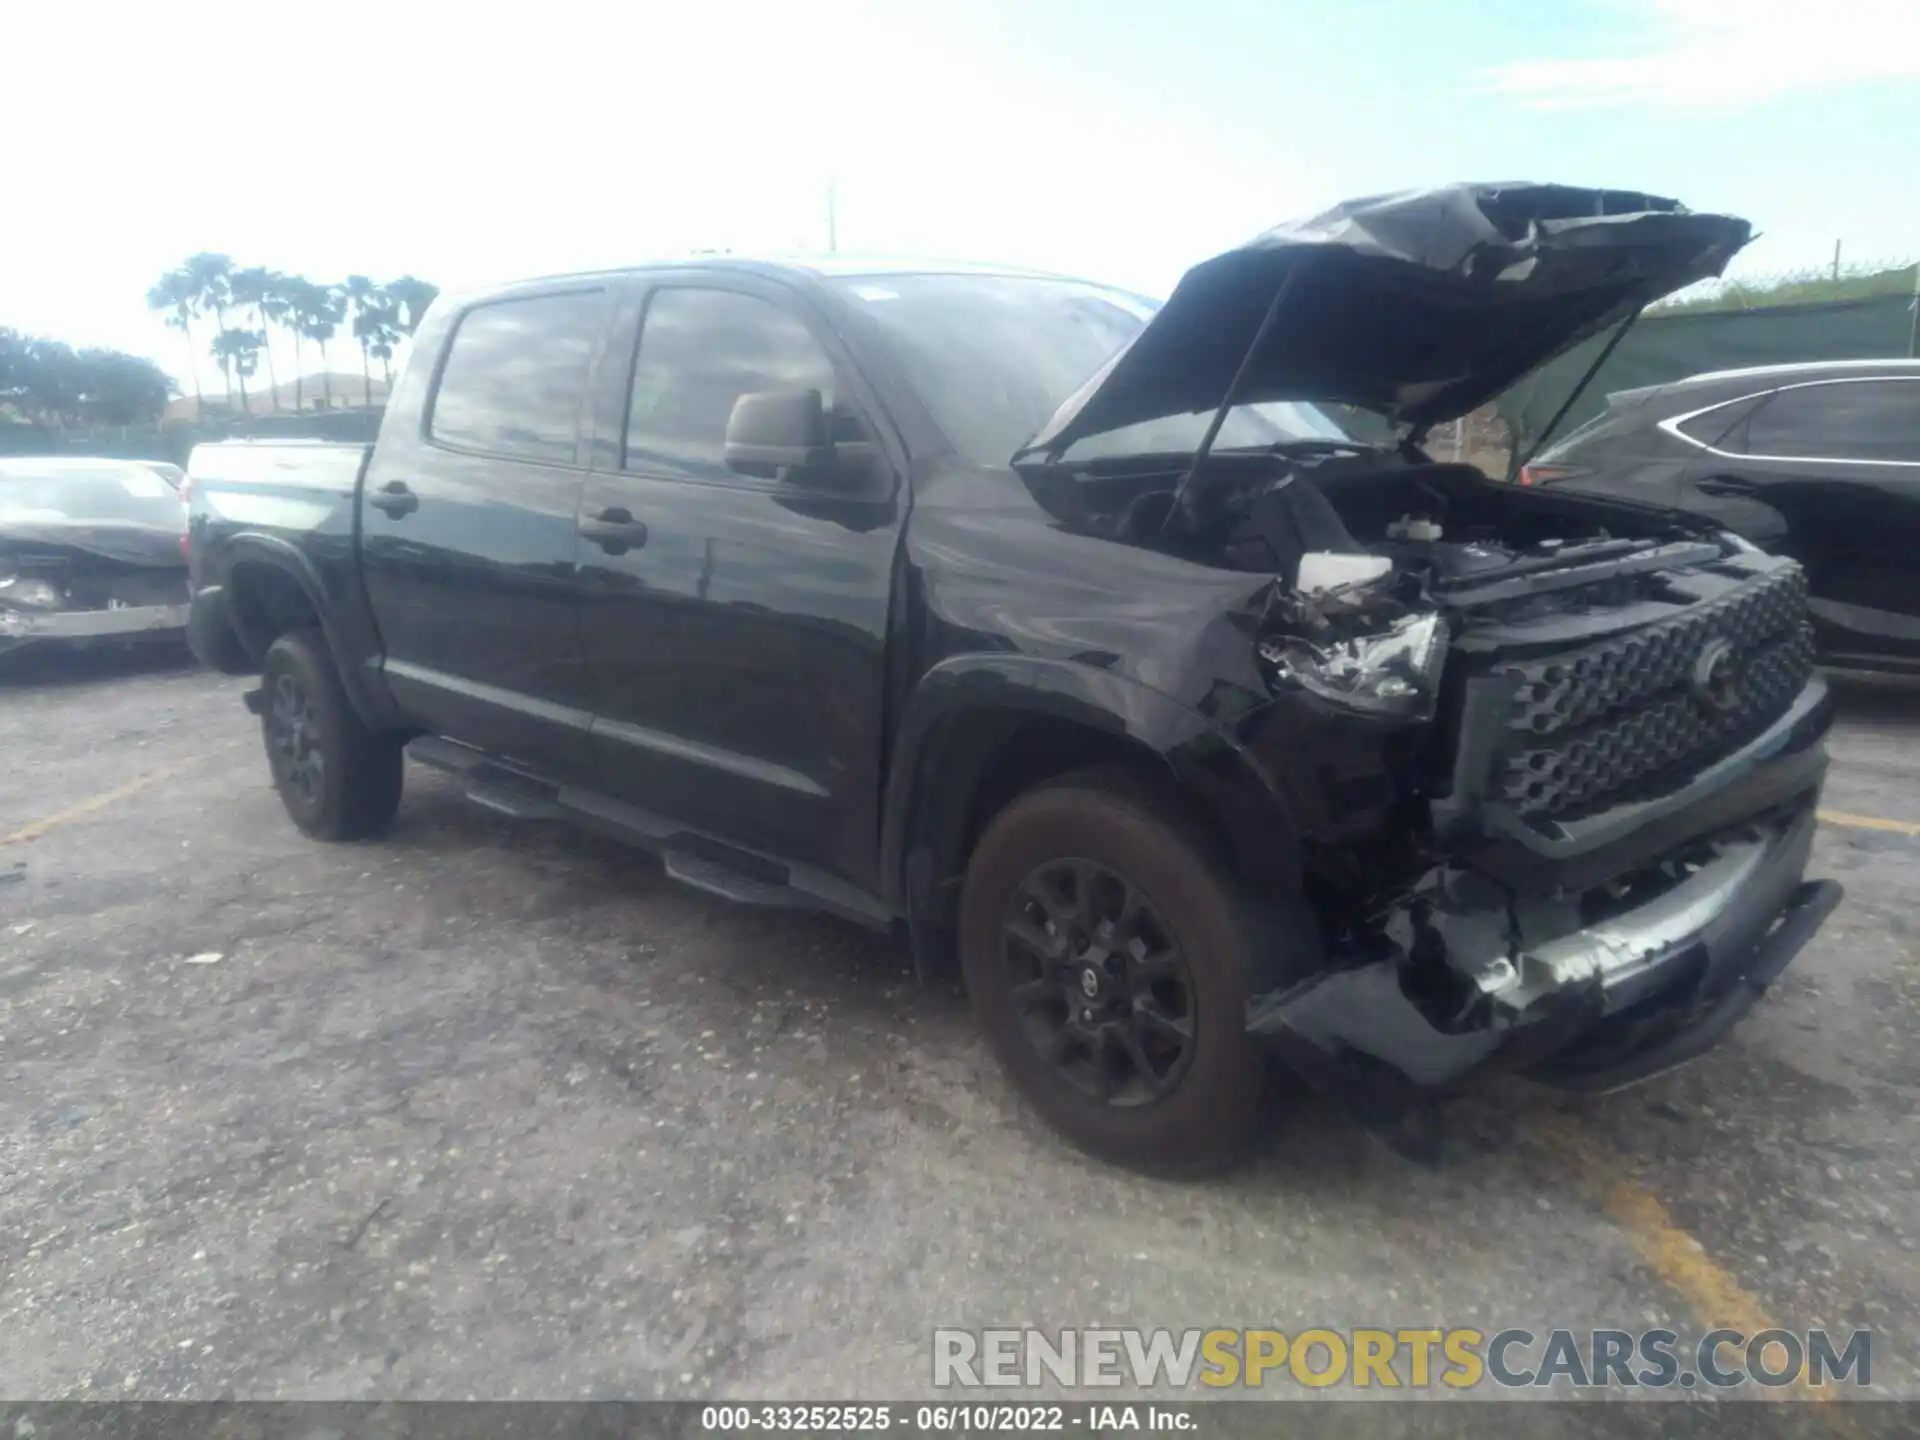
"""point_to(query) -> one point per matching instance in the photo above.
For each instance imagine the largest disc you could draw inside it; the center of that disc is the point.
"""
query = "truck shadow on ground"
(857, 986)
(1876, 700)
(581, 894)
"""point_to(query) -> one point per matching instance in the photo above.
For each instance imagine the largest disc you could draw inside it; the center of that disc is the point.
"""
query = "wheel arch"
(981, 730)
(273, 587)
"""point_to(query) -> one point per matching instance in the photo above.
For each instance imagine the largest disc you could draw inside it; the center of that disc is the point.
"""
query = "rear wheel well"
(266, 602)
(984, 761)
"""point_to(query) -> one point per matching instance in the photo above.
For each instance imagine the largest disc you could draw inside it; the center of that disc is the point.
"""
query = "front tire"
(1109, 955)
(338, 779)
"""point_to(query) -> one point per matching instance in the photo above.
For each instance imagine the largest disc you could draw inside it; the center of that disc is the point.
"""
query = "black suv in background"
(1819, 461)
(1066, 635)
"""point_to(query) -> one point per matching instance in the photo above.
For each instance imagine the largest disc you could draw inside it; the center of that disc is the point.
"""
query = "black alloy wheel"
(295, 739)
(338, 779)
(1110, 954)
(1102, 987)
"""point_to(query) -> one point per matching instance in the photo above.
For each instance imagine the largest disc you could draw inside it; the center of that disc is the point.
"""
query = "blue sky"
(1122, 141)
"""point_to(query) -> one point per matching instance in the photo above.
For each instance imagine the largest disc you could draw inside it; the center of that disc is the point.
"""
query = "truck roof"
(809, 267)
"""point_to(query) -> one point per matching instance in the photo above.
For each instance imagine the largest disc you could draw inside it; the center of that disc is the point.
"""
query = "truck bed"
(298, 466)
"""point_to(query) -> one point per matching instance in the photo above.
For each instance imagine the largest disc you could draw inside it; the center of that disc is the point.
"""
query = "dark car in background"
(91, 551)
(1818, 461)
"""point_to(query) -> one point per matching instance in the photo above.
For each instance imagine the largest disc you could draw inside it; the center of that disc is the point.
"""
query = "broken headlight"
(1395, 671)
(27, 593)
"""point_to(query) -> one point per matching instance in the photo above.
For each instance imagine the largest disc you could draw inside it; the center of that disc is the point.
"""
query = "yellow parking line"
(1681, 1261)
(1868, 822)
(1716, 1298)
(91, 805)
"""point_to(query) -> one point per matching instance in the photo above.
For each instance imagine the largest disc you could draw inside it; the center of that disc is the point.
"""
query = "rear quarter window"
(515, 376)
(1722, 428)
(1839, 420)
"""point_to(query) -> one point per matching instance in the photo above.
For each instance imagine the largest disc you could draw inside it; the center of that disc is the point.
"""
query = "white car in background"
(91, 550)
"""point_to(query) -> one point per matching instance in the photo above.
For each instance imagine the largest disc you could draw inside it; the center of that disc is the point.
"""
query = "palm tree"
(259, 288)
(238, 351)
(411, 296)
(386, 332)
(366, 299)
(177, 294)
(297, 294)
(325, 306)
(211, 276)
(277, 309)
(382, 350)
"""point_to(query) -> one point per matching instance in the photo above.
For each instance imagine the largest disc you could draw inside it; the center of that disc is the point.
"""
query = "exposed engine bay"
(1444, 524)
(1385, 560)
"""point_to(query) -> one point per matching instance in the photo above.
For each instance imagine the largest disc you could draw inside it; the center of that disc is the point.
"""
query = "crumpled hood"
(144, 545)
(1420, 306)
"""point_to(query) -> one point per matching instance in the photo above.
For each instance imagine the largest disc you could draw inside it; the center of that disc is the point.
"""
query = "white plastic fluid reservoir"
(1416, 528)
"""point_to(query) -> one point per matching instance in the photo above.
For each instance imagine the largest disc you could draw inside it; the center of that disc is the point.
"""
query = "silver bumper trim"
(87, 624)
(1625, 948)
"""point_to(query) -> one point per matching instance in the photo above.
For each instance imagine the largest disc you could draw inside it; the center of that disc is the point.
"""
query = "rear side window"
(516, 374)
(700, 350)
(1846, 420)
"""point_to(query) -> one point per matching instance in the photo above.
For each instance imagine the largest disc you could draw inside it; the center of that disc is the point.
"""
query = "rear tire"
(1156, 1070)
(338, 779)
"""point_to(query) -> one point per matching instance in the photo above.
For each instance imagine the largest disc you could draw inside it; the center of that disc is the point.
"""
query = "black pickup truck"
(1073, 636)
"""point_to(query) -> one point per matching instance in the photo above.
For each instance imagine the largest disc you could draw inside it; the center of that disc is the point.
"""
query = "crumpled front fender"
(923, 787)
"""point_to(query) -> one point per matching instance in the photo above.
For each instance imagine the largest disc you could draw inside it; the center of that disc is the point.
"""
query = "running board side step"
(703, 872)
(686, 855)
(490, 786)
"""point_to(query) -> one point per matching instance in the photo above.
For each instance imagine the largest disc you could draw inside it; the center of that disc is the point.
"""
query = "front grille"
(1622, 718)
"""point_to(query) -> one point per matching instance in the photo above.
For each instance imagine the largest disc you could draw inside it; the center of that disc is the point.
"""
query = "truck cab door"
(468, 528)
(736, 624)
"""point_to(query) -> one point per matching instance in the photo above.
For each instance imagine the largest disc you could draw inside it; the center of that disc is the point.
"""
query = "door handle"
(615, 530)
(1728, 487)
(395, 499)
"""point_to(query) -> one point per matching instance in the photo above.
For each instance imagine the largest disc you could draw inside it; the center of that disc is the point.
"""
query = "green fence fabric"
(1660, 348)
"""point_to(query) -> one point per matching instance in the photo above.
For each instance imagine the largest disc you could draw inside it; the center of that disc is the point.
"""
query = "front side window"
(700, 350)
(1843, 420)
(994, 356)
(516, 374)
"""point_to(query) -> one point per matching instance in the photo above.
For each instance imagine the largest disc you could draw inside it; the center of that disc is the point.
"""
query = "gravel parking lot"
(495, 1110)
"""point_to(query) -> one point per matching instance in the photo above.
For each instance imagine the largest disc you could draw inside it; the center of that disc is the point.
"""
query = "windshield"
(993, 356)
(113, 494)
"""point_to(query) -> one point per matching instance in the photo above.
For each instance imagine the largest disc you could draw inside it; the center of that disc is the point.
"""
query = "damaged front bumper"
(1606, 1004)
(120, 622)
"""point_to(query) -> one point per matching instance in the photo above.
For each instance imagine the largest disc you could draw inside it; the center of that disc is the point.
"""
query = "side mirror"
(771, 433)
